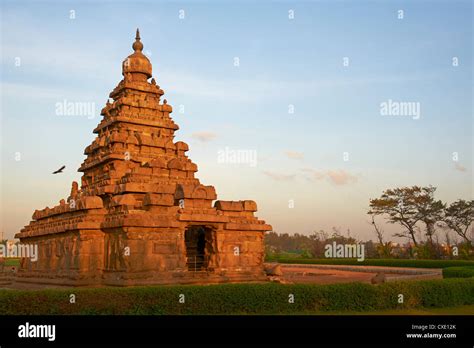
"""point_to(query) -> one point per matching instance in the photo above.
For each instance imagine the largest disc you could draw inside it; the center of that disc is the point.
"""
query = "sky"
(296, 89)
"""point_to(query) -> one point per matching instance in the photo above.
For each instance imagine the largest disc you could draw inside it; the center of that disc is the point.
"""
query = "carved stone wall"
(126, 223)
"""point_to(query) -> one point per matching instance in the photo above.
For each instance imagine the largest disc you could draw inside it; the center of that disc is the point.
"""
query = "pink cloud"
(294, 155)
(341, 177)
(459, 167)
(338, 177)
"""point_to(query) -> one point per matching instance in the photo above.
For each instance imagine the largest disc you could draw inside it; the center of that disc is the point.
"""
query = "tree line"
(431, 228)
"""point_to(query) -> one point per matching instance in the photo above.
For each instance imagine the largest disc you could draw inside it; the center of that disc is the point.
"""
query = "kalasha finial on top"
(137, 45)
(136, 66)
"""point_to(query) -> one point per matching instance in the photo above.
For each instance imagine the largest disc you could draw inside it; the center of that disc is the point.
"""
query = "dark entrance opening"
(196, 238)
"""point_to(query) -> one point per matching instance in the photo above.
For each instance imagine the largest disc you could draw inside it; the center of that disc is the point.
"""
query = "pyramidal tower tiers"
(140, 216)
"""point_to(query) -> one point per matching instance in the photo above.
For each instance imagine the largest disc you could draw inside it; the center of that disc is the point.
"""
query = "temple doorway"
(195, 238)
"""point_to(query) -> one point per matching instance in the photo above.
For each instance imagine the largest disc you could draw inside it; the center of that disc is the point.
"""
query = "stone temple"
(140, 216)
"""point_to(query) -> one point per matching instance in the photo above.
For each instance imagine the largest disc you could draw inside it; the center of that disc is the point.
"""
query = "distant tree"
(378, 231)
(371, 250)
(447, 238)
(384, 248)
(296, 243)
(339, 238)
(459, 217)
(408, 206)
(430, 211)
(400, 206)
(318, 241)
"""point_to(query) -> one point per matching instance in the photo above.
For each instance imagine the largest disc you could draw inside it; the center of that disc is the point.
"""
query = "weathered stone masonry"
(140, 215)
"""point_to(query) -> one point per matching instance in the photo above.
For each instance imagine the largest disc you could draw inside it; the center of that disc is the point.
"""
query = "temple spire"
(137, 63)
(137, 45)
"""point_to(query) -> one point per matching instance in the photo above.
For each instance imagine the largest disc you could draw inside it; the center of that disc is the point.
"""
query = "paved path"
(329, 274)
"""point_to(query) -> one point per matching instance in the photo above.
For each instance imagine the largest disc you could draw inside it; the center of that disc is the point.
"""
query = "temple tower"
(140, 215)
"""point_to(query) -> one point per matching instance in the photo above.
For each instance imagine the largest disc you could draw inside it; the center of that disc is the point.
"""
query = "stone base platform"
(196, 278)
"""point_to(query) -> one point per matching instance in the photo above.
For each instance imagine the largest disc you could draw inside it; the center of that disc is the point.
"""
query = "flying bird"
(60, 170)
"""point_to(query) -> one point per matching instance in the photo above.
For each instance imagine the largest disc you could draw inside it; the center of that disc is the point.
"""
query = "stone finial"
(137, 45)
(137, 63)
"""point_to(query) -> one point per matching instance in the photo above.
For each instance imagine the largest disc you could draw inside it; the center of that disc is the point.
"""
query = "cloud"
(341, 177)
(314, 174)
(278, 176)
(338, 177)
(459, 167)
(294, 155)
(203, 136)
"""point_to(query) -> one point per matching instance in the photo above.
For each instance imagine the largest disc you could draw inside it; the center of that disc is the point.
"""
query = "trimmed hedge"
(458, 272)
(378, 262)
(268, 298)
(12, 262)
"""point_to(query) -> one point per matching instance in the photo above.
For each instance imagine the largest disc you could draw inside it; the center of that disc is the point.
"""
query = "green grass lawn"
(378, 262)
